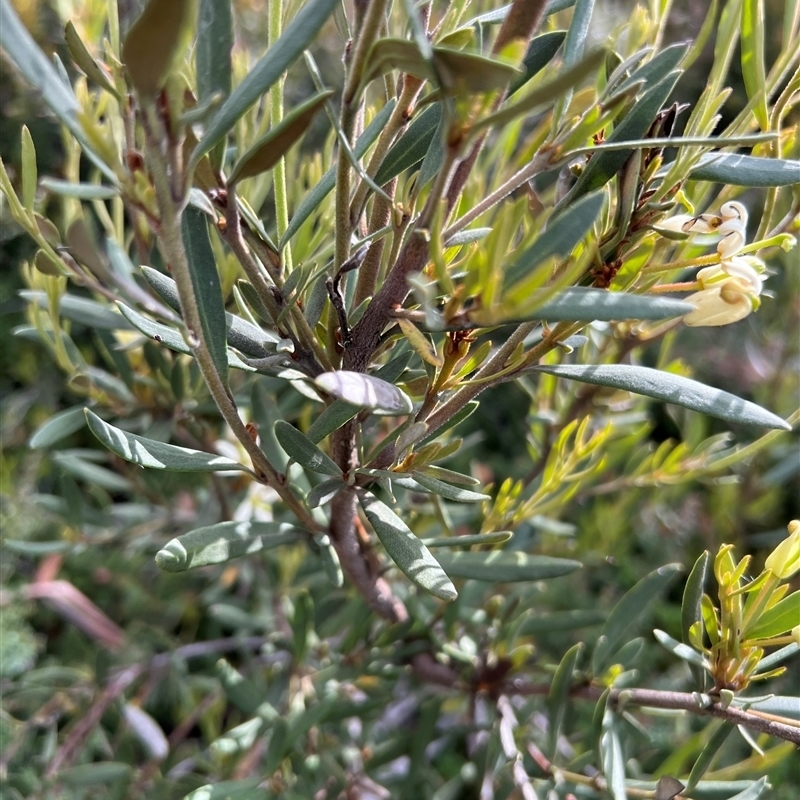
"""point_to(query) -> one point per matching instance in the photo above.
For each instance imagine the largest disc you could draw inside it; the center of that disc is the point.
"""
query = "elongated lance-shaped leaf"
(303, 450)
(497, 537)
(628, 611)
(405, 549)
(366, 391)
(681, 650)
(58, 427)
(740, 170)
(332, 418)
(324, 492)
(241, 691)
(780, 705)
(213, 49)
(562, 235)
(40, 73)
(753, 70)
(153, 43)
(560, 621)
(83, 58)
(448, 491)
(500, 566)
(296, 37)
(274, 144)
(318, 193)
(693, 595)
(157, 455)
(613, 758)
(80, 309)
(722, 730)
(777, 620)
(219, 543)
(672, 389)
(411, 147)
(558, 698)
(82, 191)
(207, 288)
(574, 45)
(540, 53)
(602, 167)
(661, 64)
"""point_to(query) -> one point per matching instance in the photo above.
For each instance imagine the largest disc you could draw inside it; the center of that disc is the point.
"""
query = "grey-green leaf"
(540, 53)
(296, 37)
(331, 418)
(213, 49)
(216, 544)
(448, 491)
(562, 235)
(83, 58)
(303, 450)
(324, 492)
(740, 170)
(412, 146)
(500, 566)
(672, 389)
(156, 455)
(207, 288)
(558, 698)
(318, 193)
(496, 537)
(722, 730)
(659, 65)
(628, 611)
(780, 705)
(679, 649)
(152, 44)
(82, 191)
(272, 146)
(366, 391)
(58, 427)
(405, 549)
(81, 309)
(560, 621)
(693, 595)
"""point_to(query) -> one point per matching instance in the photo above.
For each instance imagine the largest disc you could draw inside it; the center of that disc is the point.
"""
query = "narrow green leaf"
(628, 611)
(693, 595)
(537, 623)
(279, 745)
(500, 566)
(540, 53)
(752, 792)
(434, 157)
(82, 57)
(753, 71)
(446, 490)
(563, 233)
(405, 549)
(156, 455)
(456, 419)
(98, 773)
(411, 147)
(207, 288)
(40, 73)
(303, 450)
(778, 657)
(739, 170)
(325, 186)
(721, 731)
(302, 624)
(779, 619)
(558, 698)
(81, 309)
(30, 174)
(274, 144)
(82, 191)
(652, 71)
(613, 758)
(329, 557)
(93, 474)
(780, 705)
(467, 237)
(219, 543)
(672, 389)
(681, 650)
(331, 419)
(296, 37)
(544, 94)
(324, 492)
(240, 691)
(498, 537)
(604, 166)
(153, 44)
(213, 49)
(366, 391)
(58, 427)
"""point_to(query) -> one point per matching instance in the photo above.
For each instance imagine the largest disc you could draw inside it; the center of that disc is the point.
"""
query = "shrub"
(498, 200)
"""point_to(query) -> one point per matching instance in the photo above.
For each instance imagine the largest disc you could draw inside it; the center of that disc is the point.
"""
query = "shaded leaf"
(500, 566)
(405, 549)
(331, 418)
(207, 288)
(303, 450)
(30, 173)
(366, 391)
(558, 698)
(240, 691)
(672, 389)
(662, 63)
(324, 492)
(628, 611)
(83, 58)
(153, 42)
(497, 537)
(540, 53)
(739, 170)
(682, 651)
(94, 774)
(721, 731)
(318, 192)
(562, 235)
(58, 427)
(412, 146)
(296, 37)
(219, 543)
(81, 309)
(693, 595)
(82, 191)
(274, 144)
(156, 455)
(213, 49)
(84, 470)
(753, 72)
(560, 621)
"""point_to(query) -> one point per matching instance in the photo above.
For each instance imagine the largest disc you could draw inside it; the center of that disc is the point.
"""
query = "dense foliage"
(387, 401)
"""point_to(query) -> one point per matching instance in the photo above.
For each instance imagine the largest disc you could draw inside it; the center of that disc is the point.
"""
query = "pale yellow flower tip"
(796, 635)
(720, 304)
(784, 560)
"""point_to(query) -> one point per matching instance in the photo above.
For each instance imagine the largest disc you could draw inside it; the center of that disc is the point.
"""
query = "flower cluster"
(730, 290)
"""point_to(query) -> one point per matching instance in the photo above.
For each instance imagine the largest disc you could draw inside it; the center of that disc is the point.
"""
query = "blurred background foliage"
(57, 655)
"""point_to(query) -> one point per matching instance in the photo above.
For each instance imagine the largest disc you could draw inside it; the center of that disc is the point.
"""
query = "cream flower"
(784, 560)
(721, 303)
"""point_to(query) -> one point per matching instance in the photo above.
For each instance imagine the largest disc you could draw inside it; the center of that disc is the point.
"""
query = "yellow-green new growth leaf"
(153, 42)
(83, 58)
(269, 149)
(29, 172)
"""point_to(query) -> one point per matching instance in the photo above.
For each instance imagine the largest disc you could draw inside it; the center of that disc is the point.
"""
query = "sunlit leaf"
(498, 537)
(741, 170)
(412, 146)
(366, 391)
(82, 57)
(448, 491)
(779, 619)
(500, 566)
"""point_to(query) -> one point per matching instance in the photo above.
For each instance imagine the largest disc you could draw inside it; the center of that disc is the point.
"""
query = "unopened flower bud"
(784, 560)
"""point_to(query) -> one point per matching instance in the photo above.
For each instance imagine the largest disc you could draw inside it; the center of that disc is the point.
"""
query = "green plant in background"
(500, 199)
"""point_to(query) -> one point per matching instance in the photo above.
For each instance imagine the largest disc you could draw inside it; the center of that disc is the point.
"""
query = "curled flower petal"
(731, 243)
(676, 223)
(733, 210)
(746, 268)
